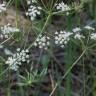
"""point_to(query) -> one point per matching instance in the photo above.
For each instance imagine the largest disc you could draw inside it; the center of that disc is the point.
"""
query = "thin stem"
(44, 5)
(84, 81)
(57, 84)
(70, 50)
(16, 6)
(47, 20)
(8, 3)
(6, 40)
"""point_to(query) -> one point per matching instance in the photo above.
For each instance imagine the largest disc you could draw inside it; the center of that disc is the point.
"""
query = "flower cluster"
(33, 10)
(93, 36)
(42, 42)
(6, 30)
(62, 38)
(2, 7)
(63, 7)
(17, 59)
(77, 34)
(89, 27)
(77, 29)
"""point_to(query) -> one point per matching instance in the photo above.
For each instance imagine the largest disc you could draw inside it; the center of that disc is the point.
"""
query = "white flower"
(6, 30)
(76, 32)
(1, 46)
(62, 7)
(12, 63)
(18, 49)
(77, 29)
(89, 27)
(42, 42)
(31, 1)
(33, 10)
(93, 36)
(62, 37)
(34, 1)
(2, 7)
(78, 36)
(28, 2)
(7, 52)
(17, 59)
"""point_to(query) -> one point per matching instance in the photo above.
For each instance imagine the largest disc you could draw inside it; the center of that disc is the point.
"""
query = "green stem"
(69, 60)
(1, 69)
(45, 24)
(16, 6)
(94, 8)
(68, 71)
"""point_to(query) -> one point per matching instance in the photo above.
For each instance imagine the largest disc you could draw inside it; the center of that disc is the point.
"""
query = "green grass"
(34, 74)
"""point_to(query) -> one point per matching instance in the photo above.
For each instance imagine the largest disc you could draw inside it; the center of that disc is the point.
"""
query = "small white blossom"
(78, 36)
(6, 30)
(31, 1)
(93, 36)
(2, 7)
(18, 58)
(62, 37)
(77, 29)
(7, 52)
(62, 7)
(28, 2)
(89, 27)
(12, 63)
(1, 46)
(42, 42)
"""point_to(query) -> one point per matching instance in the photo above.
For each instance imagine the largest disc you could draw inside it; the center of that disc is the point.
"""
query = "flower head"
(62, 37)
(78, 36)
(6, 30)
(33, 9)
(2, 7)
(89, 27)
(42, 42)
(62, 7)
(77, 29)
(93, 36)
(18, 58)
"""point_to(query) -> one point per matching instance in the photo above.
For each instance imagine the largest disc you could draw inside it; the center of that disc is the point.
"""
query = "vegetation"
(47, 48)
